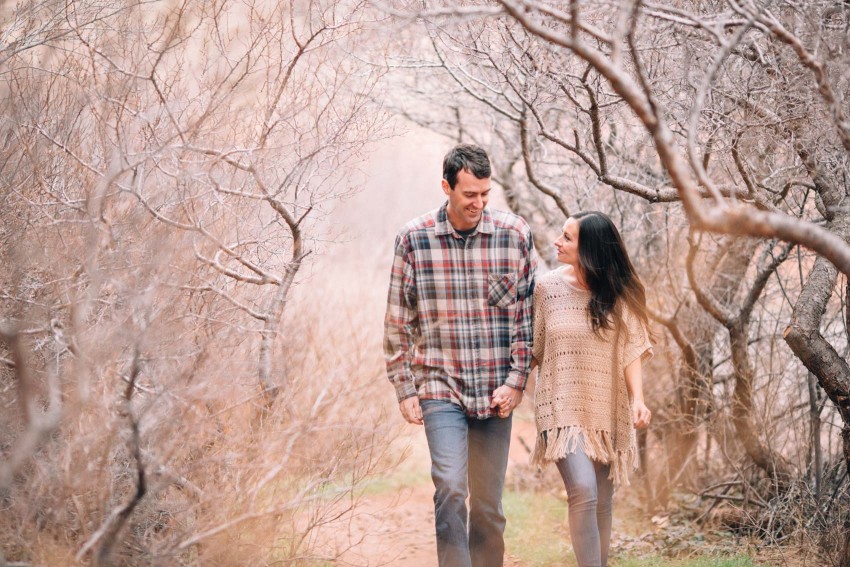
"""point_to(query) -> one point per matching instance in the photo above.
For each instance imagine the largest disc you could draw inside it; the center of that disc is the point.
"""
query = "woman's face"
(567, 243)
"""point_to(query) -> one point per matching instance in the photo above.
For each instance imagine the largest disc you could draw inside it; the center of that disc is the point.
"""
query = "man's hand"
(507, 399)
(640, 414)
(411, 411)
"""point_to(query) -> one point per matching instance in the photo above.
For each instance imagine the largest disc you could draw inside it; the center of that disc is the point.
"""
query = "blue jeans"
(590, 492)
(468, 456)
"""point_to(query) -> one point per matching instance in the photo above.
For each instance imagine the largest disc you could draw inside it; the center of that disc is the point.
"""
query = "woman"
(590, 337)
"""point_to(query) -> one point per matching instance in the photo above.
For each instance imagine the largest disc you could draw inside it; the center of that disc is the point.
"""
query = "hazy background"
(198, 208)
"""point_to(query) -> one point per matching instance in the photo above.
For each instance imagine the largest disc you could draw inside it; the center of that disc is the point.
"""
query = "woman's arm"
(634, 382)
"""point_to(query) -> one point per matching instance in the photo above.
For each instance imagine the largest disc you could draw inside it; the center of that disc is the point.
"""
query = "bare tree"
(166, 170)
(725, 117)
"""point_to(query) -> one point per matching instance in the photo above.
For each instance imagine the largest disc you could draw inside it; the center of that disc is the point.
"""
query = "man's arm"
(521, 347)
(509, 396)
(400, 331)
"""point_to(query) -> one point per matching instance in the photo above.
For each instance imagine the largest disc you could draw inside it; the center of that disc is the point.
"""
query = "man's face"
(467, 200)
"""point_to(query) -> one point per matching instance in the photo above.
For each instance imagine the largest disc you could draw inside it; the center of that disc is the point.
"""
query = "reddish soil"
(397, 527)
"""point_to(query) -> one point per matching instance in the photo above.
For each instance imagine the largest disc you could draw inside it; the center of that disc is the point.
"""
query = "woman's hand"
(641, 415)
(634, 381)
(506, 399)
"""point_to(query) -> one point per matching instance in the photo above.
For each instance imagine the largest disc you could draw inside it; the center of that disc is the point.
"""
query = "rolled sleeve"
(400, 323)
(539, 324)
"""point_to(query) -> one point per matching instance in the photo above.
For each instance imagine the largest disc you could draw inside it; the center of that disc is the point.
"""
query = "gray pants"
(589, 490)
(468, 457)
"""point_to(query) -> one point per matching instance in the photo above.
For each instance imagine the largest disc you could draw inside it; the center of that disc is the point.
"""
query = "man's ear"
(446, 188)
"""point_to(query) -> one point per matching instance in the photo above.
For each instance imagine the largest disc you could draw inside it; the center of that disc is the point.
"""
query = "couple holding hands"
(467, 321)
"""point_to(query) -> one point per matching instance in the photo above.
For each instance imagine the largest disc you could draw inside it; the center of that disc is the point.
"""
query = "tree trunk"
(804, 337)
(833, 374)
(742, 410)
(693, 392)
(844, 560)
(270, 386)
(695, 338)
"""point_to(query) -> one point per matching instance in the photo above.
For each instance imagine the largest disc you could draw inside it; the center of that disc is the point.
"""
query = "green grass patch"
(655, 561)
(536, 534)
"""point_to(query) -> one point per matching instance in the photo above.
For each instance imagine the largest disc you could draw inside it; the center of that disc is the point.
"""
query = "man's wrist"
(405, 390)
(516, 380)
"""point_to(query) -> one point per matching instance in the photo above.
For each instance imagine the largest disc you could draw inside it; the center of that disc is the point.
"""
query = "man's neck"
(466, 231)
(458, 224)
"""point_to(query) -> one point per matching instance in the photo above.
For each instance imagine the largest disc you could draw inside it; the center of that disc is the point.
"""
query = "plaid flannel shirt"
(458, 322)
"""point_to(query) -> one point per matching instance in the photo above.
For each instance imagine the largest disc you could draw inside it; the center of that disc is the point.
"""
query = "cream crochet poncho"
(575, 399)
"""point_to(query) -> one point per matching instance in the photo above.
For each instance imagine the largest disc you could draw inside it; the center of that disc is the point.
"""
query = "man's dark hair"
(468, 157)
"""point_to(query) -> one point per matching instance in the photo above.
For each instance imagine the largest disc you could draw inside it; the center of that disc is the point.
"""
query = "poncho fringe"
(555, 444)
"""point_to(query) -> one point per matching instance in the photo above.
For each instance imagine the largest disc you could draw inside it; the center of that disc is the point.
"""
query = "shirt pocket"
(501, 290)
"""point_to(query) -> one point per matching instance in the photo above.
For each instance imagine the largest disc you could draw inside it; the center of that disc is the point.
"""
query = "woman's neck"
(574, 276)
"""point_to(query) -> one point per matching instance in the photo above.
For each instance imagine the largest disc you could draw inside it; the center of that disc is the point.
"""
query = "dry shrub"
(165, 172)
(230, 481)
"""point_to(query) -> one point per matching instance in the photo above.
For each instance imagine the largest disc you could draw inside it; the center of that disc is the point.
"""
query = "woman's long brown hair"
(609, 273)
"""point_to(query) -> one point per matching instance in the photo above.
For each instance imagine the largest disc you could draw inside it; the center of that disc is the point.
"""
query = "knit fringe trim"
(555, 444)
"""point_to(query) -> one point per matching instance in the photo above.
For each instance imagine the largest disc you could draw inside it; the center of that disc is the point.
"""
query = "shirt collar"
(443, 227)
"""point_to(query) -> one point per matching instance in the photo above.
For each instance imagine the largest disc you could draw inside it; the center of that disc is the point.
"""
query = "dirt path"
(393, 523)
(396, 527)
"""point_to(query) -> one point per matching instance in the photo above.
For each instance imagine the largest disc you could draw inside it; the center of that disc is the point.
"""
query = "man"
(458, 349)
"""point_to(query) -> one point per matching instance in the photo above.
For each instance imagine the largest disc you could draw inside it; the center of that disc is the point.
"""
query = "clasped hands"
(504, 397)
